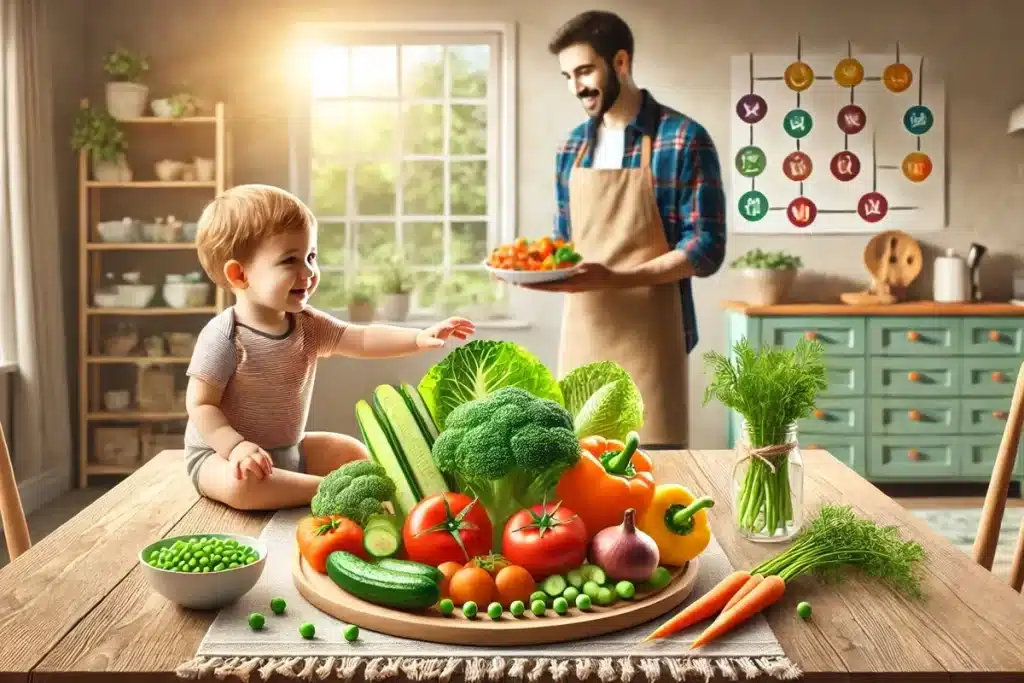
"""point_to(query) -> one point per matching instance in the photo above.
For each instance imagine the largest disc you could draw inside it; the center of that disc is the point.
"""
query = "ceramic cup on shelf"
(204, 169)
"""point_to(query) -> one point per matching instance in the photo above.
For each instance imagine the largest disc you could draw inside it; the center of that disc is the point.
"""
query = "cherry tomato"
(545, 539)
(450, 527)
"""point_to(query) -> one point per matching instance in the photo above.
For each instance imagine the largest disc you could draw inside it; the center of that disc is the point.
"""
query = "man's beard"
(609, 93)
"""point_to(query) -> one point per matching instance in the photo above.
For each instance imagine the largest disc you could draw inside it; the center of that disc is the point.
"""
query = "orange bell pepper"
(318, 537)
(609, 478)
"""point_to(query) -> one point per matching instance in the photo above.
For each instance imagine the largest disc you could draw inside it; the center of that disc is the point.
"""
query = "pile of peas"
(202, 555)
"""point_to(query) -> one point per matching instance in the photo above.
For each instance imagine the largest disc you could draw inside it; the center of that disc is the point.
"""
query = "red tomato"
(450, 527)
(545, 539)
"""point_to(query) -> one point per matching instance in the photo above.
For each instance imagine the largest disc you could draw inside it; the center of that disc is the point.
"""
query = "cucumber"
(419, 410)
(409, 439)
(591, 572)
(382, 537)
(383, 452)
(554, 585)
(410, 567)
(373, 583)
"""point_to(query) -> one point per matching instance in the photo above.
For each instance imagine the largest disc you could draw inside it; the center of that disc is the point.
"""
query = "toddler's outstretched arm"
(392, 341)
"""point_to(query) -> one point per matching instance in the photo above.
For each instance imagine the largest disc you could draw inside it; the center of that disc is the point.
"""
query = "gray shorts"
(291, 458)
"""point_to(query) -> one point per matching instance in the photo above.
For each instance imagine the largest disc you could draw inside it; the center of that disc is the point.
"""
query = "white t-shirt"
(611, 145)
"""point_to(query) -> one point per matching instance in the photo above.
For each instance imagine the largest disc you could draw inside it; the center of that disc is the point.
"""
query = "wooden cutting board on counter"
(894, 259)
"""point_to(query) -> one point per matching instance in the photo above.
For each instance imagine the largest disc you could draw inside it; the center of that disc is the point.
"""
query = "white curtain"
(31, 308)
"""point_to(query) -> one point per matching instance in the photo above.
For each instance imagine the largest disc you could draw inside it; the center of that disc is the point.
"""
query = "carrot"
(747, 587)
(704, 607)
(766, 593)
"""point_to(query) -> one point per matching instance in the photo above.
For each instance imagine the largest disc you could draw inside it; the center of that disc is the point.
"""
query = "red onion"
(624, 552)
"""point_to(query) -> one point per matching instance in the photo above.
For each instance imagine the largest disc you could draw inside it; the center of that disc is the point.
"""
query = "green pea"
(560, 605)
(494, 610)
(583, 602)
(625, 589)
(188, 555)
(469, 609)
(591, 588)
(538, 607)
(250, 559)
(804, 610)
(570, 594)
(256, 621)
(517, 608)
(660, 578)
(446, 607)
(206, 570)
(351, 633)
(233, 565)
(538, 595)
(605, 596)
(204, 561)
(307, 630)
(220, 567)
(277, 605)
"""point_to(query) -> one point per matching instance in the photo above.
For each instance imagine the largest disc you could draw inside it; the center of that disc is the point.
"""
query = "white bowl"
(204, 591)
(186, 294)
(136, 296)
(107, 299)
(529, 277)
(114, 401)
(118, 231)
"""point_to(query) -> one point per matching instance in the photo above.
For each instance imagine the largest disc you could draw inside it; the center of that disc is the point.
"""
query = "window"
(402, 146)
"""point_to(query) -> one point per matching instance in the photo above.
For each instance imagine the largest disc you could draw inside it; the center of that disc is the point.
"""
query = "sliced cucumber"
(575, 578)
(591, 572)
(382, 536)
(383, 452)
(419, 409)
(554, 585)
(409, 438)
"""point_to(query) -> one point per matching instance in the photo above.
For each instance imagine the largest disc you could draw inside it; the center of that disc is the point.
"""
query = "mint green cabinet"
(910, 397)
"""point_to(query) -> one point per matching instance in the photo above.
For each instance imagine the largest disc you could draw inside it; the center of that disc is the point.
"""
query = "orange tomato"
(514, 583)
(448, 570)
(472, 583)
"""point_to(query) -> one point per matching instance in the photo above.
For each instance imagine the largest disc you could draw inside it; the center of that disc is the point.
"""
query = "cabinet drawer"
(848, 450)
(913, 336)
(993, 336)
(846, 376)
(834, 416)
(911, 415)
(839, 336)
(984, 415)
(909, 458)
(978, 457)
(921, 376)
(989, 376)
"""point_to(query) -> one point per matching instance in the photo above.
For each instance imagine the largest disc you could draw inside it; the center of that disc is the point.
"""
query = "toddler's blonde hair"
(234, 224)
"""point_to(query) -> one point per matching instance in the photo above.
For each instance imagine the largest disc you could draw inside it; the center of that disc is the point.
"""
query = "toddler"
(252, 371)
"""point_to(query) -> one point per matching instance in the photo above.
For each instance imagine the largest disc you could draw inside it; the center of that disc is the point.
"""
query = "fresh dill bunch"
(770, 386)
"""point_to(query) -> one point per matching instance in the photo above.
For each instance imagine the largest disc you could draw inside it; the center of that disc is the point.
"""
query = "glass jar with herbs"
(771, 388)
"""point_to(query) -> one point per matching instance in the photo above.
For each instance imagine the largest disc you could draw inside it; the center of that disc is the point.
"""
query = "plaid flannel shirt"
(688, 188)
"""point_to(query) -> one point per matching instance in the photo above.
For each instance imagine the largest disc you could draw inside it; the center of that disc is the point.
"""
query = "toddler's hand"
(435, 335)
(248, 458)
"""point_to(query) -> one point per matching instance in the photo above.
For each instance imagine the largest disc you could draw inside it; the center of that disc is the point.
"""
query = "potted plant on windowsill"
(98, 133)
(768, 275)
(181, 104)
(126, 94)
(362, 303)
(396, 285)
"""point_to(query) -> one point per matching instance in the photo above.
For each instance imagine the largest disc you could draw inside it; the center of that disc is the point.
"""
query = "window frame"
(502, 137)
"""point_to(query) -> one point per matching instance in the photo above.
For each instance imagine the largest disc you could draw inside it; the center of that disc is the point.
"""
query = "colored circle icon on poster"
(851, 119)
(751, 108)
(872, 207)
(753, 205)
(799, 76)
(897, 77)
(797, 123)
(918, 119)
(802, 212)
(845, 166)
(751, 161)
(797, 166)
(849, 72)
(917, 166)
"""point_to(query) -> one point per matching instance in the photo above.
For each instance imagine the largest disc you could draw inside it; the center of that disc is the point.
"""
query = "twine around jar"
(765, 452)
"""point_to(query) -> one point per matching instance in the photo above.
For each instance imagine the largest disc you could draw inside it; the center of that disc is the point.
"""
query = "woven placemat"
(231, 648)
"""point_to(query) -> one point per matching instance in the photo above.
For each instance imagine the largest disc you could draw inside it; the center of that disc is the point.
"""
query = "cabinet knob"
(810, 335)
(914, 376)
(914, 415)
(914, 454)
(999, 414)
(813, 446)
(819, 413)
(994, 335)
(913, 336)
(997, 376)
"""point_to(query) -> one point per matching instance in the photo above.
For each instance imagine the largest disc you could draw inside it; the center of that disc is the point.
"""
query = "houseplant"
(126, 94)
(362, 302)
(179, 105)
(396, 287)
(98, 133)
(769, 275)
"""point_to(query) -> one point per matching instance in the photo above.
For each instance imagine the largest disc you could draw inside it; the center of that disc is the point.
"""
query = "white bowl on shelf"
(115, 401)
(118, 231)
(106, 299)
(186, 294)
(136, 296)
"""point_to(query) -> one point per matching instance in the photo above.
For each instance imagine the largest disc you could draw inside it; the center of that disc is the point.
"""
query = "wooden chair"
(12, 515)
(998, 486)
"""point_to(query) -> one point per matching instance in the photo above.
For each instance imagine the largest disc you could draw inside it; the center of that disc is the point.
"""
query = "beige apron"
(615, 221)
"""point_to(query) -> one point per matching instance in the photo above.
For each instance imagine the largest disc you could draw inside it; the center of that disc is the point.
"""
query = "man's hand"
(248, 458)
(435, 335)
(590, 276)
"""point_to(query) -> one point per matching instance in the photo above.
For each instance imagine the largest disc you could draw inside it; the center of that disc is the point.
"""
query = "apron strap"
(579, 155)
(645, 152)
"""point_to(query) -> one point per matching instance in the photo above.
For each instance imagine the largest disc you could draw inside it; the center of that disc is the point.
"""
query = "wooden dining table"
(76, 606)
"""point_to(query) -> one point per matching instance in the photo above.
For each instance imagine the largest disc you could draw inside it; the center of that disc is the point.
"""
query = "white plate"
(530, 277)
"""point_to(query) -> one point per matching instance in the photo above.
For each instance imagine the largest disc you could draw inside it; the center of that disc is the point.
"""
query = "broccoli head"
(355, 490)
(508, 449)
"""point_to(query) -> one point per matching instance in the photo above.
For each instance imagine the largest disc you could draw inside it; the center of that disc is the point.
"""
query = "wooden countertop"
(76, 606)
(903, 308)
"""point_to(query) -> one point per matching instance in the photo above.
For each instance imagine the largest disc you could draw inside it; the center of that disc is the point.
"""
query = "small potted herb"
(181, 104)
(98, 133)
(769, 275)
(126, 94)
(396, 286)
(362, 302)
(771, 388)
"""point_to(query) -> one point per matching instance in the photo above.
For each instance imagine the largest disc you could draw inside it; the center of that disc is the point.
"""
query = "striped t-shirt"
(266, 380)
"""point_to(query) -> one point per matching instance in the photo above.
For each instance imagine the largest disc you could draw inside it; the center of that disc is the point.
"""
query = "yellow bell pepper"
(678, 523)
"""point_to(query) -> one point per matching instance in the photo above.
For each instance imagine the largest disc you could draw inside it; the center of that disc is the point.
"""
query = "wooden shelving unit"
(93, 414)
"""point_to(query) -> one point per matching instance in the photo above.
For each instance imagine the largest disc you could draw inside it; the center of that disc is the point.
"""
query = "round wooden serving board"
(528, 629)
